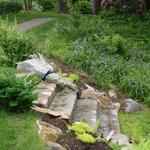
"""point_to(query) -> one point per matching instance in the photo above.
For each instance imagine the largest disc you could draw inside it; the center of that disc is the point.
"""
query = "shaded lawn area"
(18, 132)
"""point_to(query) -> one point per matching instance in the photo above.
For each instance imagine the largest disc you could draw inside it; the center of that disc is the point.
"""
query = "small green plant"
(16, 93)
(80, 128)
(73, 77)
(83, 132)
(86, 138)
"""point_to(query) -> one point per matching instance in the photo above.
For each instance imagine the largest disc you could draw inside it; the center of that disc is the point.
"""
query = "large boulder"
(130, 106)
(36, 64)
(61, 81)
(54, 146)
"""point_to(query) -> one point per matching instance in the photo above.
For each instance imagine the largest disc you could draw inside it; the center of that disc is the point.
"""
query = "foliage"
(86, 138)
(16, 93)
(73, 77)
(16, 48)
(10, 7)
(82, 6)
(83, 132)
(80, 128)
(47, 5)
(3, 57)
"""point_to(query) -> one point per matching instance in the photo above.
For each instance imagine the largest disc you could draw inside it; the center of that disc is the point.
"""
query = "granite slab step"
(109, 119)
(86, 111)
(46, 93)
(65, 101)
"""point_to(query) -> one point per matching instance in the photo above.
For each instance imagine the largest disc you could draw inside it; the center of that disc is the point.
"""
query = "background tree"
(28, 4)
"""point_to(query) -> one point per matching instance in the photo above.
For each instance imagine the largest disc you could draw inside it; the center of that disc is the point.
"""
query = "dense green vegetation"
(111, 52)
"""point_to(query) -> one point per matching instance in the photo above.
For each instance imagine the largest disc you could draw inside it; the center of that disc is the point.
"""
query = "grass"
(18, 132)
(136, 125)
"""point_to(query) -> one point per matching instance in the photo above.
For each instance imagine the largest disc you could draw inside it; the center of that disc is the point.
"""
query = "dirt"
(68, 139)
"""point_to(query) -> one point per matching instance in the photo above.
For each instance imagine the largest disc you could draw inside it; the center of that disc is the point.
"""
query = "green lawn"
(18, 132)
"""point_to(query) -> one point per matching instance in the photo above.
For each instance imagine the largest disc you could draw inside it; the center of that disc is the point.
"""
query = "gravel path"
(32, 23)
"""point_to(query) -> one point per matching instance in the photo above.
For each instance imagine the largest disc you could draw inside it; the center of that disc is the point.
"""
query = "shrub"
(10, 7)
(16, 93)
(3, 57)
(16, 45)
(82, 6)
(47, 5)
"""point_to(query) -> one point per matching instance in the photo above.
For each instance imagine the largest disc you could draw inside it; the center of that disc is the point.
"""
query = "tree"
(28, 4)
(62, 8)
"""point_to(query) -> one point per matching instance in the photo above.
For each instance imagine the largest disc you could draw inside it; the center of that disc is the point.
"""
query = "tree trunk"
(96, 6)
(28, 4)
(62, 8)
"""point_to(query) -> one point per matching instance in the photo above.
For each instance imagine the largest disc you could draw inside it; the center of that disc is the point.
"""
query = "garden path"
(32, 23)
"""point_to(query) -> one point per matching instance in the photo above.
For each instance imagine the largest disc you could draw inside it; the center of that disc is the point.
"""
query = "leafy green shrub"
(3, 57)
(16, 93)
(16, 45)
(82, 6)
(10, 7)
(47, 5)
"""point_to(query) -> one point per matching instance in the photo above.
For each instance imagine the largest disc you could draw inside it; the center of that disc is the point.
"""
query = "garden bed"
(69, 141)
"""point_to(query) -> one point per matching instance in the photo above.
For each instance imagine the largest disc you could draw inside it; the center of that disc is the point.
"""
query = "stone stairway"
(57, 96)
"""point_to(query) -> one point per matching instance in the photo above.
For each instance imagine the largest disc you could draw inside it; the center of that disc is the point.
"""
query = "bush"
(16, 93)
(82, 6)
(10, 7)
(16, 45)
(47, 5)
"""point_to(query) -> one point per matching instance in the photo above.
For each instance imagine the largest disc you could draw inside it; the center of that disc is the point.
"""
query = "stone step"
(46, 93)
(109, 119)
(86, 111)
(65, 101)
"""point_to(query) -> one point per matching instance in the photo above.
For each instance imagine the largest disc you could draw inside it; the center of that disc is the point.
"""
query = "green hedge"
(10, 7)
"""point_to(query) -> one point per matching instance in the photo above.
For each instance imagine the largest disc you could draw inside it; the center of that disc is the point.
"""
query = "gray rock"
(122, 139)
(48, 132)
(109, 119)
(130, 106)
(112, 94)
(46, 93)
(87, 111)
(65, 101)
(54, 146)
(57, 79)
(37, 64)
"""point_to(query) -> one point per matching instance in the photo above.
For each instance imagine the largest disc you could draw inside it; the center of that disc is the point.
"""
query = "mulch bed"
(69, 141)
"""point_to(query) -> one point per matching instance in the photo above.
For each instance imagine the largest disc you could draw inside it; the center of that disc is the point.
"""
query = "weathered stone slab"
(38, 65)
(54, 146)
(65, 101)
(46, 93)
(59, 80)
(109, 119)
(87, 111)
(27, 74)
(48, 132)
